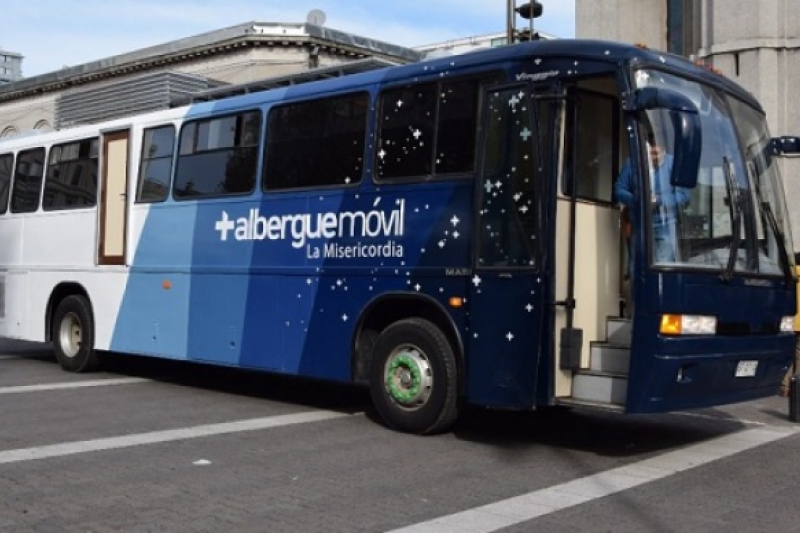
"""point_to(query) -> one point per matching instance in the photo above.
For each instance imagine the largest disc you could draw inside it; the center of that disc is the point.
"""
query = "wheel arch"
(387, 309)
(59, 292)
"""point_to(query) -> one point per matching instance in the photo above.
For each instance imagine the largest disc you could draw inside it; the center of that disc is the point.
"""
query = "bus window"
(595, 146)
(429, 129)
(218, 156)
(27, 181)
(457, 124)
(509, 208)
(6, 165)
(408, 121)
(71, 179)
(156, 164)
(316, 143)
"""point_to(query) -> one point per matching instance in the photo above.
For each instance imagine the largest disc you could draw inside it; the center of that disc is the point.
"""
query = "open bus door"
(506, 303)
(592, 341)
(113, 203)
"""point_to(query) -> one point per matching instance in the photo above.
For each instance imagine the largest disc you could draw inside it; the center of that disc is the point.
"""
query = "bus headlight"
(688, 325)
(787, 324)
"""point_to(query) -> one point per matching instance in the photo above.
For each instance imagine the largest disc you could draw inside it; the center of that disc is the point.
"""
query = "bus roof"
(578, 49)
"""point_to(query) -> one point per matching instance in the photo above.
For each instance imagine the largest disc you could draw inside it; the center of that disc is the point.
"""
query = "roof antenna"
(316, 17)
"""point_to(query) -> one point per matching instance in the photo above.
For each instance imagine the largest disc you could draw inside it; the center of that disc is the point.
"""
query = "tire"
(73, 335)
(413, 378)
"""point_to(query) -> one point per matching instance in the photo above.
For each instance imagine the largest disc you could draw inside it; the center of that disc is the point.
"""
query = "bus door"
(588, 270)
(506, 309)
(113, 202)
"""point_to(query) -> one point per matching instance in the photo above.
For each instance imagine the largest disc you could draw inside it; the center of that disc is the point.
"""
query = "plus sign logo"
(223, 226)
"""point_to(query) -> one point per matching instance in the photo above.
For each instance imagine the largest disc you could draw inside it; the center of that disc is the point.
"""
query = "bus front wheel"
(413, 377)
(73, 335)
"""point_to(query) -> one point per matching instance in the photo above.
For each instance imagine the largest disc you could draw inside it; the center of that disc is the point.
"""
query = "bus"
(444, 233)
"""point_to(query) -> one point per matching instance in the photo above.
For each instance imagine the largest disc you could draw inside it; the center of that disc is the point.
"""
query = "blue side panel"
(153, 319)
(278, 282)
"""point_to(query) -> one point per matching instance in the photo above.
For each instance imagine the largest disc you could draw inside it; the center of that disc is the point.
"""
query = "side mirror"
(688, 149)
(686, 126)
(785, 145)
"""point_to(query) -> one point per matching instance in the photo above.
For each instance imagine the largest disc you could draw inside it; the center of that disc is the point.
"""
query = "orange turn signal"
(671, 325)
(456, 302)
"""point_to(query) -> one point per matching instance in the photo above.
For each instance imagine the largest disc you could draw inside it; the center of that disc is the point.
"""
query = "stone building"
(754, 42)
(144, 79)
(10, 66)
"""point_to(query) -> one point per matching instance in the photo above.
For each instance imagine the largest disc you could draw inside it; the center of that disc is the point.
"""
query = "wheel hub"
(408, 377)
(70, 334)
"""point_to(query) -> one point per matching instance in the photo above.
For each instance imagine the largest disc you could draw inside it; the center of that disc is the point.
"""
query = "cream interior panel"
(597, 276)
(114, 242)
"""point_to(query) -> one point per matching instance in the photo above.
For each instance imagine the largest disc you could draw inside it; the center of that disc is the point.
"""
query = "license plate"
(746, 369)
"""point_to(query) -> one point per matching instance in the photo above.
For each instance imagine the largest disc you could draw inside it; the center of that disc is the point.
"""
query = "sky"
(51, 34)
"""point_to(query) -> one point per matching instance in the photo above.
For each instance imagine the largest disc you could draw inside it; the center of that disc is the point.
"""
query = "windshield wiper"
(733, 194)
(776, 231)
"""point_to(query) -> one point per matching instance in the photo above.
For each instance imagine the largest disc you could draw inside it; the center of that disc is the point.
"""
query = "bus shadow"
(262, 385)
(42, 351)
(602, 433)
(605, 434)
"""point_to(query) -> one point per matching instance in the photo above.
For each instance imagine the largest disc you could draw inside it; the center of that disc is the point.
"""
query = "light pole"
(527, 10)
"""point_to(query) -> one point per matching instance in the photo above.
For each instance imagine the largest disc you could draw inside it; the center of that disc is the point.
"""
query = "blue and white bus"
(443, 232)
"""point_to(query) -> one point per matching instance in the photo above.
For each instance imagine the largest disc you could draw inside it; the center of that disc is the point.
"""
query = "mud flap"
(570, 348)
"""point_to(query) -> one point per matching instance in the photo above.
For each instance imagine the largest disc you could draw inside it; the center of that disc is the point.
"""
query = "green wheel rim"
(408, 378)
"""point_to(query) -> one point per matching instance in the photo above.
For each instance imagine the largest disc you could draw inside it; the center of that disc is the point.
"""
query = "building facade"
(236, 55)
(10, 66)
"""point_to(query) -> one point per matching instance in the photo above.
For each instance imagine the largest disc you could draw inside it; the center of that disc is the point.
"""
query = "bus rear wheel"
(413, 378)
(73, 335)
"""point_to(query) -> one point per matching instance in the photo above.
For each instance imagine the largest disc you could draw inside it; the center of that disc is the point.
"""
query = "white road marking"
(542, 502)
(71, 385)
(155, 437)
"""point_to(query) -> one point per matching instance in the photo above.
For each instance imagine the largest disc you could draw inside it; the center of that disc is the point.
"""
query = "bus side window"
(408, 124)
(27, 181)
(6, 165)
(316, 143)
(218, 157)
(155, 167)
(71, 180)
(593, 147)
(429, 129)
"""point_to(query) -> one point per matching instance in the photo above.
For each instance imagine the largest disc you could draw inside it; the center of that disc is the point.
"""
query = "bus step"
(600, 387)
(618, 330)
(572, 402)
(609, 357)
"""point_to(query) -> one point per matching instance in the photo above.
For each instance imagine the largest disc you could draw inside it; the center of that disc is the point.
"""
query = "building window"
(683, 27)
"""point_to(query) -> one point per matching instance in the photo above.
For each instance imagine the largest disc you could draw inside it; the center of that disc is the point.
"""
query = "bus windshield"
(735, 219)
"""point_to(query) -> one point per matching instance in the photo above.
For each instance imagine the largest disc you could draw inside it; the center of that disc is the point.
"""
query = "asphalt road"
(162, 446)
